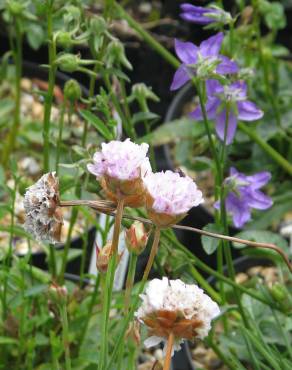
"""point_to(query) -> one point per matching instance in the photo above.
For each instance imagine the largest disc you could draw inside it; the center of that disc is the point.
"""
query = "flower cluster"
(244, 194)
(233, 96)
(122, 167)
(171, 306)
(41, 203)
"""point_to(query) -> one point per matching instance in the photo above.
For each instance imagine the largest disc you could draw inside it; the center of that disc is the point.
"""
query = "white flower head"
(173, 306)
(121, 160)
(41, 203)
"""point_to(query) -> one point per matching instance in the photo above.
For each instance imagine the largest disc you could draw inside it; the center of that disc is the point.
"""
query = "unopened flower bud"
(15, 8)
(97, 25)
(103, 257)
(116, 55)
(68, 62)
(64, 39)
(134, 332)
(72, 90)
(278, 292)
(136, 237)
(58, 294)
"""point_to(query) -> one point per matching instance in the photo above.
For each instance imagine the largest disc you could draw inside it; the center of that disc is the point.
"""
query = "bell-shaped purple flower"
(240, 108)
(202, 15)
(199, 59)
(244, 195)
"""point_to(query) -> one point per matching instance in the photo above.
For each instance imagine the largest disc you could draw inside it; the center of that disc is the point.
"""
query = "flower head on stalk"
(233, 96)
(212, 15)
(41, 203)
(171, 306)
(120, 166)
(203, 61)
(244, 194)
(169, 196)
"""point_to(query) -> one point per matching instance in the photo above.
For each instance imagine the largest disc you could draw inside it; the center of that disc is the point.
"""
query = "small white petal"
(152, 341)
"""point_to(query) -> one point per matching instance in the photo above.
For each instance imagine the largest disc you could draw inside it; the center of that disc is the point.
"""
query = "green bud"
(64, 39)
(68, 62)
(15, 8)
(141, 91)
(98, 25)
(278, 292)
(115, 54)
(57, 294)
(73, 11)
(72, 90)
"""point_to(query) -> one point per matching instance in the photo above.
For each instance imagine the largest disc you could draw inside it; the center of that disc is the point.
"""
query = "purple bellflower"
(204, 16)
(201, 60)
(219, 96)
(244, 195)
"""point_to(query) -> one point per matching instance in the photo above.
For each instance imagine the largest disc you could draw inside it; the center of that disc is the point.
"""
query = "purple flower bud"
(204, 16)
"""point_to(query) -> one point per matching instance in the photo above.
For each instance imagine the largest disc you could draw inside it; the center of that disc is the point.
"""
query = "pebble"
(241, 278)
(255, 270)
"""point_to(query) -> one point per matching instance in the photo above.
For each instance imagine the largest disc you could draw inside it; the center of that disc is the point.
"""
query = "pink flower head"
(120, 167)
(171, 194)
(121, 160)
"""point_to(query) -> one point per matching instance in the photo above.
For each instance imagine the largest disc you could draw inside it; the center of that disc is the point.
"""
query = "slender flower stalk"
(60, 134)
(66, 341)
(169, 350)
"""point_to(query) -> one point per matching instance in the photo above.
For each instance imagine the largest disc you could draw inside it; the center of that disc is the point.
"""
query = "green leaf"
(7, 340)
(97, 123)
(35, 35)
(261, 236)
(174, 131)
(35, 290)
(210, 244)
(144, 116)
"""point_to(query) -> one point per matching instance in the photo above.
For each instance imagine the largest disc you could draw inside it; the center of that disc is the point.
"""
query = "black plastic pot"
(198, 216)
(39, 259)
(241, 264)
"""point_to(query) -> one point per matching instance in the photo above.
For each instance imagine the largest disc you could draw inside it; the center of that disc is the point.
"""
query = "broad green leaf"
(97, 123)
(262, 236)
(173, 131)
(210, 244)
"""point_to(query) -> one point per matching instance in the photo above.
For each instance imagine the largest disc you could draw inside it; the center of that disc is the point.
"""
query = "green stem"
(17, 55)
(204, 284)
(65, 334)
(107, 294)
(51, 84)
(130, 280)
(52, 261)
(277, 157)
(61, 126)
(147, 36)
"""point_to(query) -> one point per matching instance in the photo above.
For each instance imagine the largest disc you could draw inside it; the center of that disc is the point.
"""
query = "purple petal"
(238, 209)
(211, 109)
(248, 111)
(240, 87)
(213, 87)
(211, 46)
(196, 19)
(186, 51)
(233, 171)
(259, 200)
(259, 179)
(220, 126)
(180, 77)
(226, 66)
